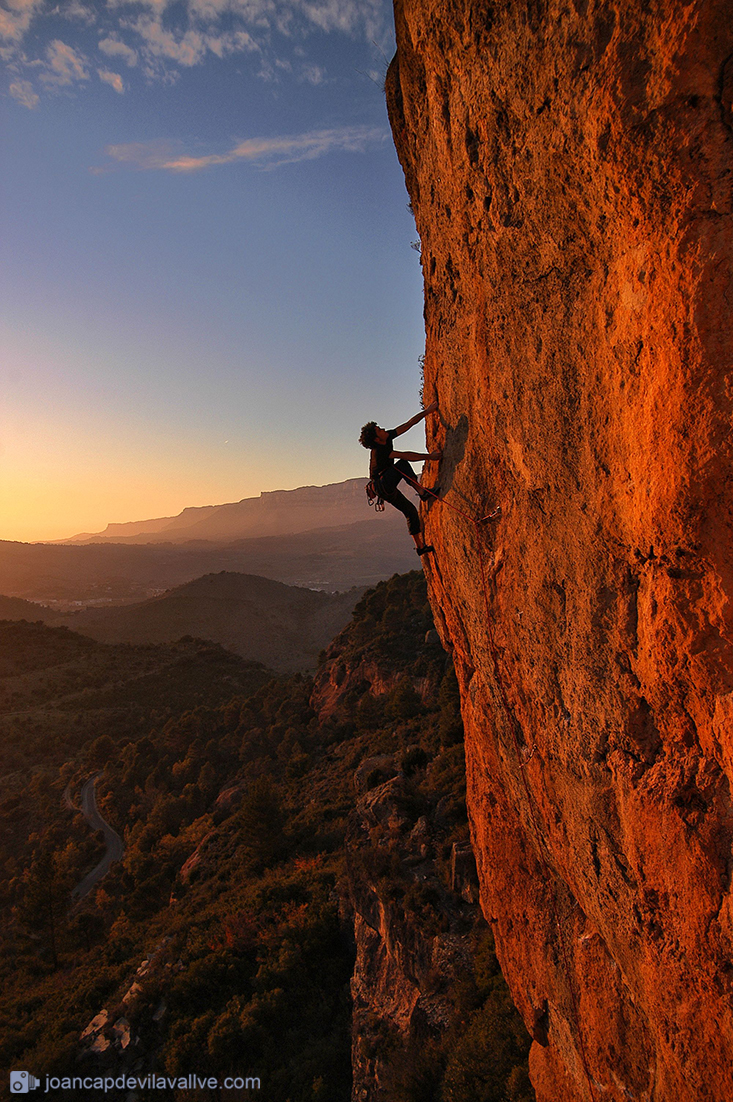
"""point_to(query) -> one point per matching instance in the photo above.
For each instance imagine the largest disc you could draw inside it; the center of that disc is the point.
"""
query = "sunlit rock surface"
(569, 166)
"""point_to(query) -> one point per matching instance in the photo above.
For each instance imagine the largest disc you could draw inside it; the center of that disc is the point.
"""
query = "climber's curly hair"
(368, 438)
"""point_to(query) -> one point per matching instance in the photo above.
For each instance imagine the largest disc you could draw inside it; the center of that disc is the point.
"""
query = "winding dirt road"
(112, 840)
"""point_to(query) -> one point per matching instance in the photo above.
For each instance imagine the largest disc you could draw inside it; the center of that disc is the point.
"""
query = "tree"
(261, 822)
(45, 901)
(404, 702)
(101, 750)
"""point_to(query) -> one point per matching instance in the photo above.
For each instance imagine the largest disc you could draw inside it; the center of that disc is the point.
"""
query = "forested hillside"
(260, 825)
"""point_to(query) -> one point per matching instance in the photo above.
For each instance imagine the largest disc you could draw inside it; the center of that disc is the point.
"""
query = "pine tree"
(45, 902)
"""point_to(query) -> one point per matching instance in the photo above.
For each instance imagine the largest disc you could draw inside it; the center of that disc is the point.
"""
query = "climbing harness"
(374, 497)
(522, 758)
(375, 493)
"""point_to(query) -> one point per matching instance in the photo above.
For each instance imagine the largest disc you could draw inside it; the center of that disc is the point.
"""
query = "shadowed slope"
(282, 626)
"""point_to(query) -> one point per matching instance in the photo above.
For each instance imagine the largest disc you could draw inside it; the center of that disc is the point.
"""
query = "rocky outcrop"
(569, 167)
(337, 684)
(375, 655)
(415, 936)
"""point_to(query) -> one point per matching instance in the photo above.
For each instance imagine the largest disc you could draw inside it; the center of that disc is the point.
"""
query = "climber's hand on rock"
(432, 408)
(436, 455)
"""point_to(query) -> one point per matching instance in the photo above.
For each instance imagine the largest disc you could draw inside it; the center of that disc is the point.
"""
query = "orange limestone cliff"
(569, 166)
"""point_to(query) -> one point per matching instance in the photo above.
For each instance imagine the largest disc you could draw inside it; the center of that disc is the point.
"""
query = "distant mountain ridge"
(273, 513)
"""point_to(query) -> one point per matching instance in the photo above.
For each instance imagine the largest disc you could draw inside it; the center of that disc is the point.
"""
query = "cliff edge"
(569, 167)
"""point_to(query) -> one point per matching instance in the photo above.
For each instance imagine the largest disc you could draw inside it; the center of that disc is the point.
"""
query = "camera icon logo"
(22, 1081)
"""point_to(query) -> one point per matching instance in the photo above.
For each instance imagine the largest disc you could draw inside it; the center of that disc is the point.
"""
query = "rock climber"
(386, 474)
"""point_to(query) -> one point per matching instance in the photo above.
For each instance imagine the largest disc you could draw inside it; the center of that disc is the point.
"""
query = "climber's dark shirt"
(380, 458)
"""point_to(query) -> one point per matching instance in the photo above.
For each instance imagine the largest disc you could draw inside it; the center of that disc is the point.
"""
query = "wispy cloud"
(347, 16)
(113, 47)
(158, 6)
(81, 12)
(264, 153)
(16, 17)
(22, 91)
(163, 38)
(313, 74)
(113, 79)
(186, 49)
(64, 65)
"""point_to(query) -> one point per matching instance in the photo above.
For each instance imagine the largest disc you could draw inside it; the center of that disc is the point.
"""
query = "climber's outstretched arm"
(417, 455)
(416, 420)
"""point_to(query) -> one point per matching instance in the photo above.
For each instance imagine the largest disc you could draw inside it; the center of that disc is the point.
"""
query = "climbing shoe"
(424, 550)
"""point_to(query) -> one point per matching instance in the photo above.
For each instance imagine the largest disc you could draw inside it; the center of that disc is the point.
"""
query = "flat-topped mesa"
(569, 167)
(273, 512)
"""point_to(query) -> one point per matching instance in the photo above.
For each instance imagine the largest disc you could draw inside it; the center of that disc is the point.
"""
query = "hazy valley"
(334, 554)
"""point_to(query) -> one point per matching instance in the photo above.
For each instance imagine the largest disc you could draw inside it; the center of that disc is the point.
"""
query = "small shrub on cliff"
(414, 758)
(403, 702)
(369, 713)
(421, 903)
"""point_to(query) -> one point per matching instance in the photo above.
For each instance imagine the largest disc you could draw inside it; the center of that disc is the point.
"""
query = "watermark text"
(22, 1082)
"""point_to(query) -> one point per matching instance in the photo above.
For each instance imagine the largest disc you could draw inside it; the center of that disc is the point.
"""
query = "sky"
(207, 283)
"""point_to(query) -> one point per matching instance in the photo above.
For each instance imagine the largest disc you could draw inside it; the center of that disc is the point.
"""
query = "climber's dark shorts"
(387, 484)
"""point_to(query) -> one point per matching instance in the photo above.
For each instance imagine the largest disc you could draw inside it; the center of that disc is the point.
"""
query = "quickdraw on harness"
(374, 496)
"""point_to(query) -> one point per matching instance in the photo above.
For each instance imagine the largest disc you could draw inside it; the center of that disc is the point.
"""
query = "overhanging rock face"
(569, 166)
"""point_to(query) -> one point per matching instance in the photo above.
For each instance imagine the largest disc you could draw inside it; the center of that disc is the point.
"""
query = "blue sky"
(206, 278)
